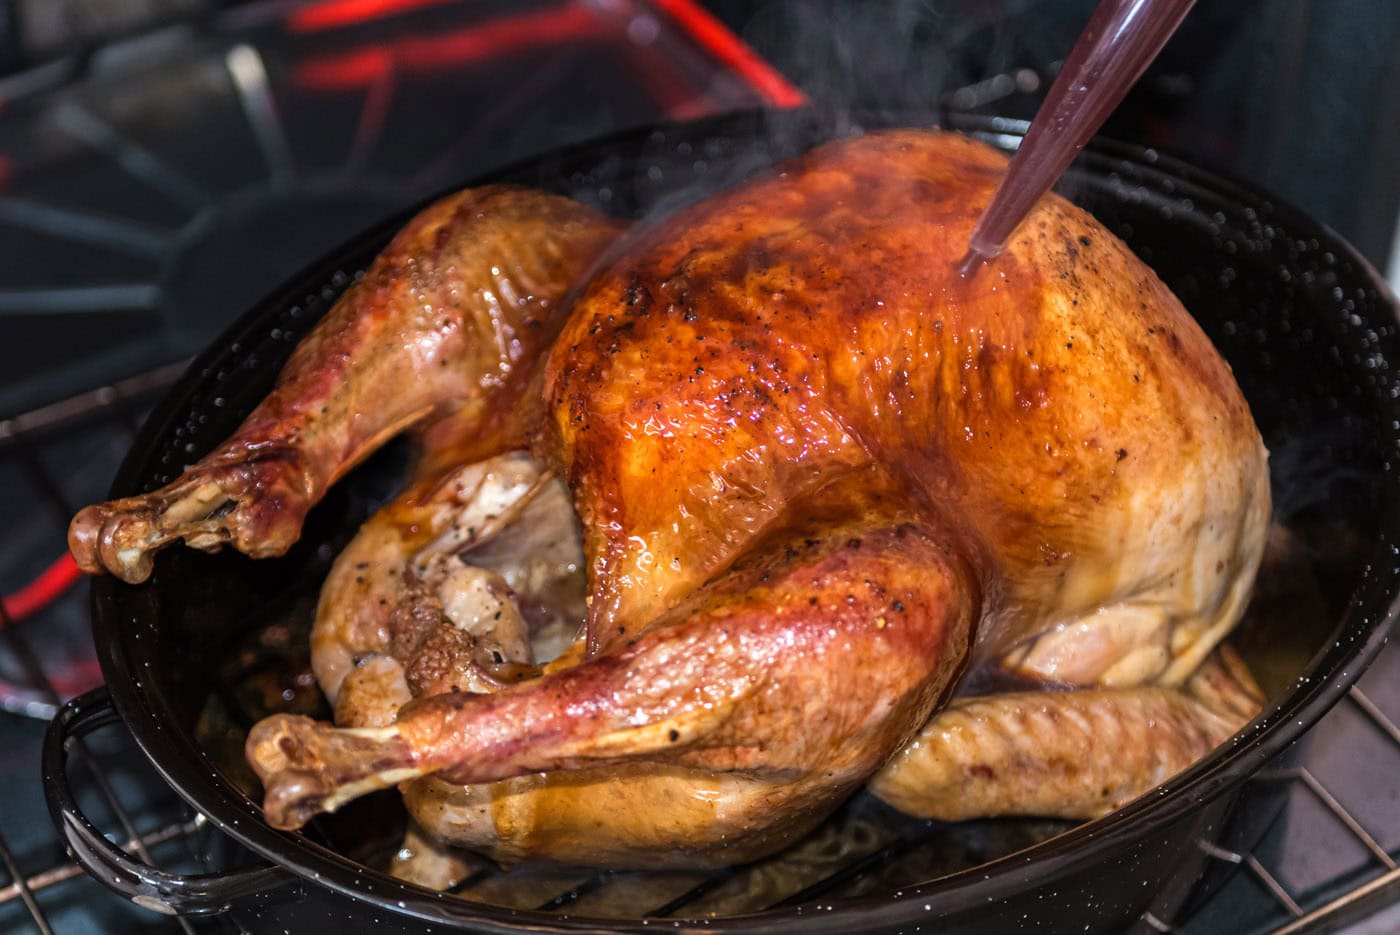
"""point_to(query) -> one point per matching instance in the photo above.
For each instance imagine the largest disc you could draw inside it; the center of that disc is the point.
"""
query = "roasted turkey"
(718, 519)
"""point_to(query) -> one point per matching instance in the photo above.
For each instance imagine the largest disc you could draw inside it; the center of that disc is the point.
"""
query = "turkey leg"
(808, 663)
(447, 323)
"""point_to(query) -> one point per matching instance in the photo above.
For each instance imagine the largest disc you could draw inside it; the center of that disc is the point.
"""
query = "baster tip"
(971, 260)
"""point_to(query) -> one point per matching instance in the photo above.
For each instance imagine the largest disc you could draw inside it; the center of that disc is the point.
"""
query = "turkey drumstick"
(449, 320)
(837, 638)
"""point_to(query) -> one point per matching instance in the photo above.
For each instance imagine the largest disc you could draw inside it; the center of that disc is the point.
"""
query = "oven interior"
(326, 130)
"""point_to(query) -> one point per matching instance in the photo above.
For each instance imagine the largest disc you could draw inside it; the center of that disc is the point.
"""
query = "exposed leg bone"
(453, 316)
(319, 769)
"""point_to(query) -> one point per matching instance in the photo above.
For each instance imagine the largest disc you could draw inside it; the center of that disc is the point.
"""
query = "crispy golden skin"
(818, 477)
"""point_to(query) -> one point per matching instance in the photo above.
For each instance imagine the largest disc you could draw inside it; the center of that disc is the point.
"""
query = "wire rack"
(41, 890)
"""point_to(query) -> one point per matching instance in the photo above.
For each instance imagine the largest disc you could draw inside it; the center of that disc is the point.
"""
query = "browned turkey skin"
(816, 478)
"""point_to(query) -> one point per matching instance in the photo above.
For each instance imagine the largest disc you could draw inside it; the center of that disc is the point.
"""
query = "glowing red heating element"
(42, 591)
(496, 37)
(570, 22)
(714, 36)
(336, 13)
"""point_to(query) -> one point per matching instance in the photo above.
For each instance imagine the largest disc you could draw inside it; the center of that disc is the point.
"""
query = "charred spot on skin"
(1120, 454)
(636, 296)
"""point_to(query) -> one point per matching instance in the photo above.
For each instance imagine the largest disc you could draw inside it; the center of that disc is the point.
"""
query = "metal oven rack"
(27, 877)
(41, 890)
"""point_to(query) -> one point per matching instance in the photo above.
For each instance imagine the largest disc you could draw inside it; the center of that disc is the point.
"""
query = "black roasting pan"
(1309, 329)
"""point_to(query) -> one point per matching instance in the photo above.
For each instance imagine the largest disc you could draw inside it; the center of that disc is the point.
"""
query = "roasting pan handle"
(147, 886)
